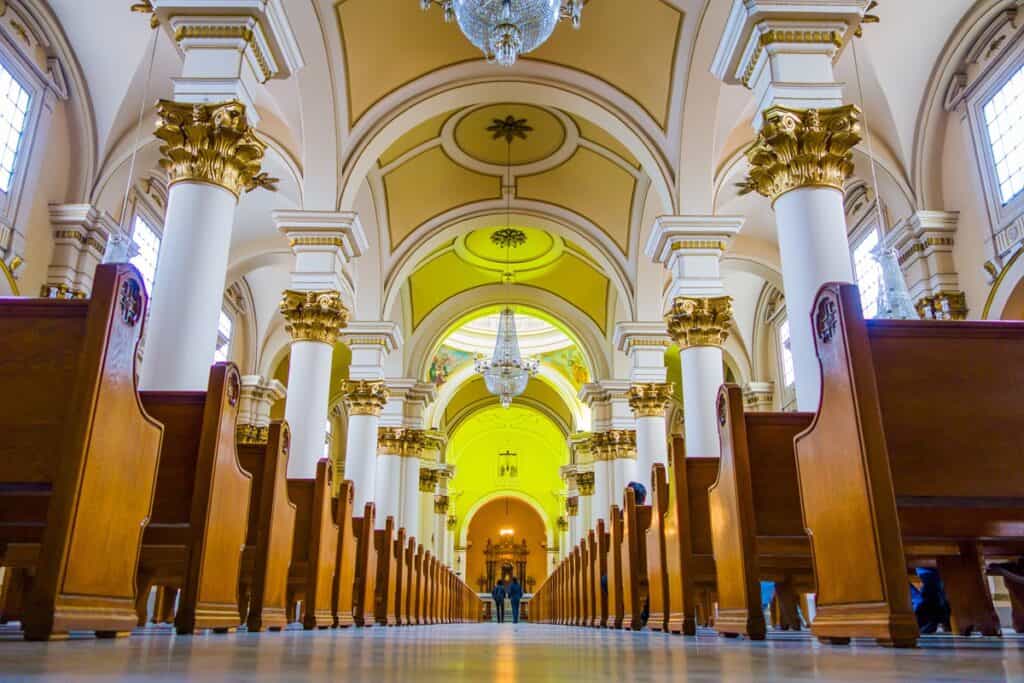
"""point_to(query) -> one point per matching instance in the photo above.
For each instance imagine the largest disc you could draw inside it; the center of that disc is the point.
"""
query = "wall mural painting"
(568, 361)
(446, 361)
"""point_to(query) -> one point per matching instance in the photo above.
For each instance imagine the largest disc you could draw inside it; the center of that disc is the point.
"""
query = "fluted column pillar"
(211, 156)
(803, 154)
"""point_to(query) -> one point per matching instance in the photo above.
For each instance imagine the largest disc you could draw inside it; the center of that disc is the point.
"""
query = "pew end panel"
(86, 465)
(366, 567)
(846, 487)
(384, 595)
(343, 592)
(635, 521)
(655, 549)
(616, 532)
(268, 551)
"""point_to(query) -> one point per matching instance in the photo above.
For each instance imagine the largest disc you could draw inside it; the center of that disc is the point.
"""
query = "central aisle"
(479, 653)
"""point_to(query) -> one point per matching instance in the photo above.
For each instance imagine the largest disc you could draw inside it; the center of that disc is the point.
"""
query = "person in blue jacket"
(498, 594)
(515, 594)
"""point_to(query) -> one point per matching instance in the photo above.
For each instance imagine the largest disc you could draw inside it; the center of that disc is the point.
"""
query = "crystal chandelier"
(507, 373)
(505, 29)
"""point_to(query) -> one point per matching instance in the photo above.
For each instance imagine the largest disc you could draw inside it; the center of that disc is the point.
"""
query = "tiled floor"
(489, 652)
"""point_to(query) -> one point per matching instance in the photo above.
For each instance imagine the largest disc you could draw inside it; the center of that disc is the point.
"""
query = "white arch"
(537, 92)
(556, 220)
(505, 493)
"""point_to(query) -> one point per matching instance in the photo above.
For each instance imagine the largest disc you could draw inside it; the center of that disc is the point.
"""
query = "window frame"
(856, 239)
(786, 393)
(1001, 215)
(140, 206)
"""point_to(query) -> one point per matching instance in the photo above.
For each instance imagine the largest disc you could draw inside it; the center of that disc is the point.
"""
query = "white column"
(365, 397)
(785, 55)
(315, 311)
(388, 492)
(254, 405)
(645, 343)
(410, 511)
(699, 314)
(181, 334)
(601, 499)
(211, 156)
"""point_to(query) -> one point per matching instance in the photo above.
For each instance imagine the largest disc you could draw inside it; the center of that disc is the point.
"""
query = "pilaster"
(924, 244)
(80, 236)
(258, 396)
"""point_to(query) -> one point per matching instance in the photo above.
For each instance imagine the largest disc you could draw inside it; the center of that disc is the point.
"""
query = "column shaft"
(387, 487)
(181, 334)
(361, 458)
(702, 376)
(410, 515)
(814, 250)
(602, 491)
(309, 380)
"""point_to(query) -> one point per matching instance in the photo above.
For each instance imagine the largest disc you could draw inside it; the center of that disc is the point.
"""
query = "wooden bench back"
(409, 590)
(345, 564)
(635, 521)
(384, 598)
(400, 571)
(366, 566)
(74, 426)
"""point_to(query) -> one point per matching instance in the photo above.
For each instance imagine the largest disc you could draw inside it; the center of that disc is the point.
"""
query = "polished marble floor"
(489, 652)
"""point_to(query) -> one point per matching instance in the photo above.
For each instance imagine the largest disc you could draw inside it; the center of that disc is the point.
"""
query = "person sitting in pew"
(929, 602)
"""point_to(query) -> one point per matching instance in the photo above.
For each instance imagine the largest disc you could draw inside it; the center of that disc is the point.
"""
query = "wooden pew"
(384, 596)
(409, 588)
(263, 580)
(575, 572)
(401, 569)
(366, 568)
(79, 457)
(586, 585)
(601, 545)
(429, 590)
(914, 452)
(416, 598)
(343, 590)
(756, 523)
(315, 548)
(616, 531)
(635, 521)
(680, 564)
(197, 531)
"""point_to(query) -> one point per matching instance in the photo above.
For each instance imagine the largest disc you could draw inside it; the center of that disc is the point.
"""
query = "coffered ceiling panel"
(592, 186)
(427, 186)
(629, 44)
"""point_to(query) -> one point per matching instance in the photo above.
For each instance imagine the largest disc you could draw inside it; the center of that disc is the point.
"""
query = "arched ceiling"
(630, 46)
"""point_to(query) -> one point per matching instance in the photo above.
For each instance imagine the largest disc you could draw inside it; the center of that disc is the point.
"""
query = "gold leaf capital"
(363, 397)
(700, 322)
(314, 316)
(649, 399)
(802, 148)
(211, 143)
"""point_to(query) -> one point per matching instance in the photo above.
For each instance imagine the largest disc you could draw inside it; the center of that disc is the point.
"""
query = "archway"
(506, 537)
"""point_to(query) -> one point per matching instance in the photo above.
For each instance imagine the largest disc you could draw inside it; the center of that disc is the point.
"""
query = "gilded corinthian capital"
(650, 399)
(802, 148)
(211, 143)
(313, 316)
(700, 322)
(363, 397)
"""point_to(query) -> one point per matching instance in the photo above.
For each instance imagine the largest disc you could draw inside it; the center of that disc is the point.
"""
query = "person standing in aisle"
(515, 594)
(498, 595)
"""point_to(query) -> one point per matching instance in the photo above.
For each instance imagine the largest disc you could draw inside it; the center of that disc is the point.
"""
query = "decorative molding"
(211, 143)
(441, 504)
(943, 306)
(650, 399)
(314, 316)
(802, 148)
(700, 322)
(401, 441)
(428, 480)
(363, 397)
(251, 435)
(614, 444)
(585, 483)
(790, 36)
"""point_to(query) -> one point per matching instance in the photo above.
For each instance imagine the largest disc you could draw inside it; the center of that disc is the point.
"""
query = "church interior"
(511, 339)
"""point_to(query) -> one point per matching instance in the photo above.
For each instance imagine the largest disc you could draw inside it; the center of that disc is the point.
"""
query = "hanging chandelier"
(505, 29)
(507, 373)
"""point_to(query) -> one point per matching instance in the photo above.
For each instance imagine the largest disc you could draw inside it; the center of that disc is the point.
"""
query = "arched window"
(146, 241)
(867, 271)
(1004, 124)
(14, 110)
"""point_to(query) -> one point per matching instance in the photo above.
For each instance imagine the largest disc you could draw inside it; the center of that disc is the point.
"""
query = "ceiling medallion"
(509, 238)
(509, 128)
(505, 29)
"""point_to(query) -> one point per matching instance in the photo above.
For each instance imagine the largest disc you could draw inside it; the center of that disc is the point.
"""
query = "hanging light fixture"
(507, 373)
(505, 29)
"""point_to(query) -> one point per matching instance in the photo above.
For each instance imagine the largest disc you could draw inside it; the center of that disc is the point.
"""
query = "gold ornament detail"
(211, 143)
(943, 306)
(428, 480)
(802, 148)
(700, 322)
(251, 435)
(650, 400)
(401, 441)
(146, 7)
(563, 523)
(613, 444)
(441, 504)
(572, 506)
(61, 291)
(363, 397)
(314, 316)
(451, 522)
(585, 483)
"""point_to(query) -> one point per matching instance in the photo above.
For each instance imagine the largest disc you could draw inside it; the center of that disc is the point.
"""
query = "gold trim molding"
(428, 480)
(251, 435)
(214, 31)
(613, 444)
(790, 35)
(802, 148)
(650, 399)
(314, 316)
(700, 322)
(585, 483)
(943, 306)
(211, 143)
(401, 441)
(441, 504)
(364, 397)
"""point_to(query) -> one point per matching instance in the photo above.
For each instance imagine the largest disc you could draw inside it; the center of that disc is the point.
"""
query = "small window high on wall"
(223, 339)
(1004, 120)
(868, 272)
(14, 108)
(147, 246)
(786, 355)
